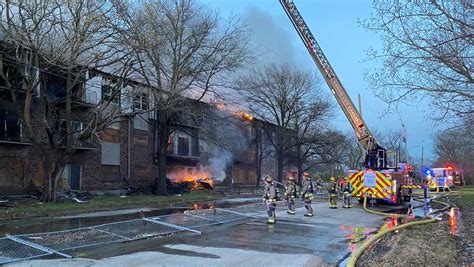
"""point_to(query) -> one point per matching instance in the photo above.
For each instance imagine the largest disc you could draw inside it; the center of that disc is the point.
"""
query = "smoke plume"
(219, 163)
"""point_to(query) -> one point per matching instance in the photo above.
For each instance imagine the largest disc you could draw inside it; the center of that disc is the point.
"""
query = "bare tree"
(427, 53)
(456, 146)
(184, 50)
(309, 122)
(354, 154)
(282, 96)
(328, 154)
(262, 149)
(51, 44)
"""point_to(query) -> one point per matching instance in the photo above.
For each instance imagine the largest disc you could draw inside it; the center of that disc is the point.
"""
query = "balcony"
(181, 160)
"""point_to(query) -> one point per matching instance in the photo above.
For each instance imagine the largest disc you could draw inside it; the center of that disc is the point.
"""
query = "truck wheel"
(399, 196)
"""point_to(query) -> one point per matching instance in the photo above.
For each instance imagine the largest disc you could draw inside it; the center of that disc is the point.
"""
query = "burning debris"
(182, 181)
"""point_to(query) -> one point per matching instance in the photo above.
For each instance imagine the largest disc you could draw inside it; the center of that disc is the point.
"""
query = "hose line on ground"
(381, 213)
(355, 256)
(383, 231)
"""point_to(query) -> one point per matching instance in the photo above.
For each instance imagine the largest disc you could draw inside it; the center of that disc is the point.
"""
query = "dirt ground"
(467, 231)
(427, 245)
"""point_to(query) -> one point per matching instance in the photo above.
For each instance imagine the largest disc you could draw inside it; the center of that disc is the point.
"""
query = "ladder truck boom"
(375, 157)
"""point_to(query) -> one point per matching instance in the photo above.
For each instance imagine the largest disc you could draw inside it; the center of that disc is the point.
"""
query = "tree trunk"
(163, 136)
(51, 179)
(300, 167)
(280, 162)
(46, 195)
(258, 157)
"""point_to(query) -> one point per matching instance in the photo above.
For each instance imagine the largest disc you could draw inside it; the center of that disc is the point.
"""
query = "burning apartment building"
(210, 145)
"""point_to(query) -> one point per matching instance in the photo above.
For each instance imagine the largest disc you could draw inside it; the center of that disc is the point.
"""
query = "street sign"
(370, 179)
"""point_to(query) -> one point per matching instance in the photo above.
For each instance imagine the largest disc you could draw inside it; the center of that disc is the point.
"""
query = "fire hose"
(383, 231)
(381, 213)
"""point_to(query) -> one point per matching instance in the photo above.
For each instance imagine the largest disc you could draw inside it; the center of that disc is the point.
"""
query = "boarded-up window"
(140, 123)
(110, 153)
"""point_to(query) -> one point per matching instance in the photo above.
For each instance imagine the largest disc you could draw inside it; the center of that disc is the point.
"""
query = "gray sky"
(334, 24)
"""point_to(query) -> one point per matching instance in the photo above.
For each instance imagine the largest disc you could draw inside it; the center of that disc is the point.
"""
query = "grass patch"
(32, 208)
(420, 245)
(466, 196)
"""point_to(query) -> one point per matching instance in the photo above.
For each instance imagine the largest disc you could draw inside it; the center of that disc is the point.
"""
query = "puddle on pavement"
(355, 235)
(39, 225)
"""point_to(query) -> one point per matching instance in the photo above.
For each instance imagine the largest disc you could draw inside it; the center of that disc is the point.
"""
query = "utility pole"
(405, 140)
(422, 164)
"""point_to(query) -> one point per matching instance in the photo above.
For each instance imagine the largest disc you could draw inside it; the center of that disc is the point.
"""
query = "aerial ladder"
(375, 157)
(378, 179)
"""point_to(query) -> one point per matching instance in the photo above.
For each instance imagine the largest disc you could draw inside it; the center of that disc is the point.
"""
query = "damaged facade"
(125, 153)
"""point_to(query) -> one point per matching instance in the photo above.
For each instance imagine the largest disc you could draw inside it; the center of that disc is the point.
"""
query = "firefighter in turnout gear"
(347, 193)
(307, 194)
(319, 185)
(290, 195)
(333, 190)
(270, 198)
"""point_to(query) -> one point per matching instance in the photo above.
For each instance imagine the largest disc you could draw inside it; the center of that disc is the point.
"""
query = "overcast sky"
(345, 42)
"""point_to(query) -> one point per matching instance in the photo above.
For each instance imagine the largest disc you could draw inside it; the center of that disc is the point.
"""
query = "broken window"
(108, 94)
(76, 131)
(10, 126)
(77, 128)
(141, 101)
(195, 148)
(183, 146)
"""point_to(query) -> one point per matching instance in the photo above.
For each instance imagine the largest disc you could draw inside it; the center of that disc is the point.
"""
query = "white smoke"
(219, 163)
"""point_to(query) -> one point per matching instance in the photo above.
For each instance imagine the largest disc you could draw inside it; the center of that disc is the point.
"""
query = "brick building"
(125, 152)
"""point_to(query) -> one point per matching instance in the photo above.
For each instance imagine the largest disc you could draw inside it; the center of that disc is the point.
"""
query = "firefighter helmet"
(306, 174)
(291, 178)
(268, 178)
(332, 179)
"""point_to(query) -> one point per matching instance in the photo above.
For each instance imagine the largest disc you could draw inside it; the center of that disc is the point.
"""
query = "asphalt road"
(293, 241)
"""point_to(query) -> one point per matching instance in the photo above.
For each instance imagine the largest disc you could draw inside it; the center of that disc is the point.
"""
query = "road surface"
(293, 241)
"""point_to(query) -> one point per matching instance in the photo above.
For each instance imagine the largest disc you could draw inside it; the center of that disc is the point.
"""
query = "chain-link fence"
(185, 220)
(29, 246)
(218, 215)
(11, 251)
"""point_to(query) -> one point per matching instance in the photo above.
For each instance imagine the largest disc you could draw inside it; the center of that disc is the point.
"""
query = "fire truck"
(444, 177)
(379, 178)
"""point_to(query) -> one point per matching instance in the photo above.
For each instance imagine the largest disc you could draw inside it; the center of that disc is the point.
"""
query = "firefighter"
(307, 194)
(333, 190)
(319, 185)
(269, 198)
(426, 190)
(340, 184)
(347, 193)
(290, 195)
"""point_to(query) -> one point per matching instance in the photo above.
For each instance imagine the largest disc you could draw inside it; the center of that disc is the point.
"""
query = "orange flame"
(220, 106)
(195, 177)
(452, 221)
(245, 116)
